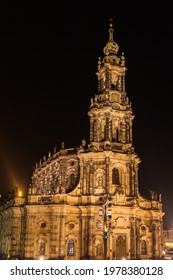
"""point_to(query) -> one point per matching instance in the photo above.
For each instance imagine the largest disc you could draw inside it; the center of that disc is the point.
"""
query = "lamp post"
(105, 213)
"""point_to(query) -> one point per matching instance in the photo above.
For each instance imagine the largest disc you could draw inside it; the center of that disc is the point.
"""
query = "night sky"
(48, 61)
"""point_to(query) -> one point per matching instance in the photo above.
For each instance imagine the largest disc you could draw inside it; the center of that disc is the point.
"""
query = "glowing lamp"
(100, 212)
(20, 193)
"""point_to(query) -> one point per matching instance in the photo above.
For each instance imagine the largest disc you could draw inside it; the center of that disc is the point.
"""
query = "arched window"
(70, 247)
(143, 247)
(115, 176)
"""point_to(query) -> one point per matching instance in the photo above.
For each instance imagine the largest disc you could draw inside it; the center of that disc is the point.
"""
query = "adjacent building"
(168, 244)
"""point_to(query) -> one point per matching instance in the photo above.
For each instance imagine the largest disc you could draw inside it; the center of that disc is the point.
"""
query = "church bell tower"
(110, 111)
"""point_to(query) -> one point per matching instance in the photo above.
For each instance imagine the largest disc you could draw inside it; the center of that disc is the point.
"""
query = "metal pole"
(105, 233)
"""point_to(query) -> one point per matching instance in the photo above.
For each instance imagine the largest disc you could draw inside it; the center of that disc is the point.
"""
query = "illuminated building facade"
(168, 244)
(84, 203)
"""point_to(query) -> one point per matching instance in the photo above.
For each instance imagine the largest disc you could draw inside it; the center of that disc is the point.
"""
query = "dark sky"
(48, 61)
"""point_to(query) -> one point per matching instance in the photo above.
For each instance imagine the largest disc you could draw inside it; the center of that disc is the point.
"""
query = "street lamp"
(105, 213)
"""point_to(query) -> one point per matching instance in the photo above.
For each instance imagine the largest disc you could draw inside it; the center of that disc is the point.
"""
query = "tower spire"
(111, 30)
(111, 47)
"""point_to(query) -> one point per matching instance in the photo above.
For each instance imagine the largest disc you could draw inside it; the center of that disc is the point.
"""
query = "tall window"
(70, 247)
(115, 176)
(143, 247)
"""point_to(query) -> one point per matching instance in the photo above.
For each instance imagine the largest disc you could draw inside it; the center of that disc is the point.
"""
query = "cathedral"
(84, 203)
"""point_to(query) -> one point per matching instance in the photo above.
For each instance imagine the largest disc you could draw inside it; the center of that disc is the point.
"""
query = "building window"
(43, 225)
(71, 226)
(143, 228)
(143, 247)
(115, 176)
(70, 247)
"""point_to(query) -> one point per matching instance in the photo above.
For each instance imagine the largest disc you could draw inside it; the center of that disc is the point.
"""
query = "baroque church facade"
(84, 203)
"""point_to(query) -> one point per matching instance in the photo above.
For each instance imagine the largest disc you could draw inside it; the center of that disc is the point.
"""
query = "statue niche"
(120, 247)
(99, 250)
(42, 246)
(100, 182)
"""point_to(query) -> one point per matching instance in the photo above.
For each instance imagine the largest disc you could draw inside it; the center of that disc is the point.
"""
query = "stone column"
(84, 238)
(123, 83)
(18, 233)
(132, 174)
(110, 129)
(161, 238)
(155, 240)
(130, 131)
(90, 237)
(30, 250)
(62, 244)
(136, 178)
(81, 176)
(133, 238)
(91, 181)
(138, 238)
(84, 178)
(107, 174)
(91, 129)
(87, 177)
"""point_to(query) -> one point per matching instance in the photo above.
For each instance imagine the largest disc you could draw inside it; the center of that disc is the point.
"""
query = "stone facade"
(84, 203)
